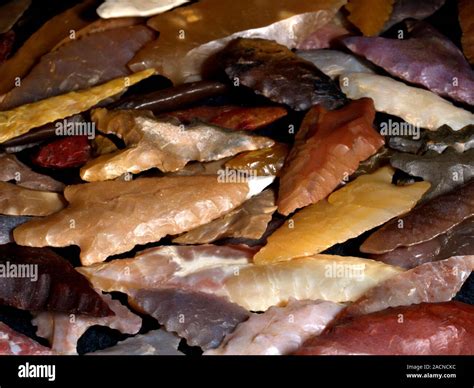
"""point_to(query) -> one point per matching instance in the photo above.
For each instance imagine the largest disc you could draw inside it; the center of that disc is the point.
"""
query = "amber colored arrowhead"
(267, 161)
(361, 205)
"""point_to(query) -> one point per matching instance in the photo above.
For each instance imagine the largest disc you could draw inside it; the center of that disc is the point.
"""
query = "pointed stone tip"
(258, 184)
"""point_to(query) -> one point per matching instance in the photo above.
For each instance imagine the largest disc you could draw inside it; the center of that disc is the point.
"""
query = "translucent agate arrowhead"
(361, 205)
(328, 277)
(416, 106)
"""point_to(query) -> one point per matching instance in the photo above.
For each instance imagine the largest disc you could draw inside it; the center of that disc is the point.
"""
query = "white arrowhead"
(123, 8)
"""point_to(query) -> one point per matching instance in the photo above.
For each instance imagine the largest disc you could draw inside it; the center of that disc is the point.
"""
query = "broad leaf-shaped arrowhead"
(106, 218)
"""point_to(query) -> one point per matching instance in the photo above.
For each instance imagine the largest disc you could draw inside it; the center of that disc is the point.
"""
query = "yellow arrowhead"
(365, 203)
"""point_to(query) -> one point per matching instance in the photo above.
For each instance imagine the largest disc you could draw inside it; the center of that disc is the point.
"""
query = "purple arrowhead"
(427, 58)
